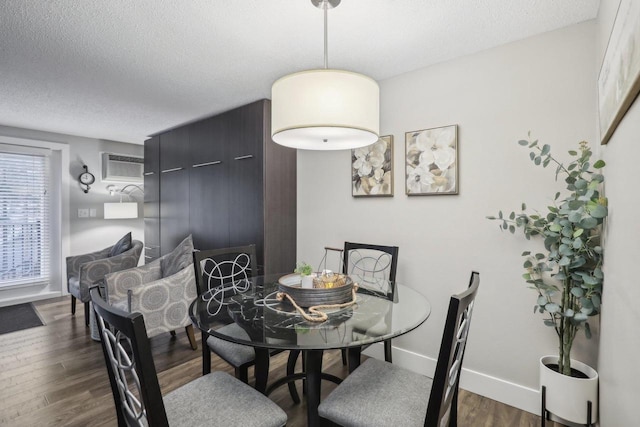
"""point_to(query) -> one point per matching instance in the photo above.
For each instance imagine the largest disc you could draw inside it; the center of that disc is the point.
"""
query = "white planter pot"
(567, 397)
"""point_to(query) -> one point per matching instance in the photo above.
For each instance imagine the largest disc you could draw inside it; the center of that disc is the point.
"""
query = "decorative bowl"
(338, 291)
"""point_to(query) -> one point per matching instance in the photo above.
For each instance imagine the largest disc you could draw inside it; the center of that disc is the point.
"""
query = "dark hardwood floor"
(54, 375)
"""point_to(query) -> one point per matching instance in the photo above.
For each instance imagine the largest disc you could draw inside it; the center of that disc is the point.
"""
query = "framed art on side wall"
(372, 169)
(619, 79)
(431, 157)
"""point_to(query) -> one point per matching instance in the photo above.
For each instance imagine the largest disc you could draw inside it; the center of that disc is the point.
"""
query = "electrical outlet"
(83, 213)
(92, 213)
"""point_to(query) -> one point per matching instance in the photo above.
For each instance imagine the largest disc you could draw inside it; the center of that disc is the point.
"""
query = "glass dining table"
(273, 324)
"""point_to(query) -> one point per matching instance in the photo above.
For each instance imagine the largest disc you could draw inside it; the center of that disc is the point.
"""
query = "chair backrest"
(215, 267)
(443, 401)
(372, 266)
(132, 373)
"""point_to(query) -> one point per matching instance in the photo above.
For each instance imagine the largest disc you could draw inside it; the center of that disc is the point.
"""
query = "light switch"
(83, 213)
(92, 213)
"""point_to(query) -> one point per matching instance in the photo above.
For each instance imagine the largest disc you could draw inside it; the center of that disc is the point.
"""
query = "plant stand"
(544, 414)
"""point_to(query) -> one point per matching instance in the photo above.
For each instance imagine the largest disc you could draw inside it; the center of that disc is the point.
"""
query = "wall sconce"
(121, 210)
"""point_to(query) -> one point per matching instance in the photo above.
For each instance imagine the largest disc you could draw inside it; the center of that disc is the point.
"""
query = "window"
(24, 217)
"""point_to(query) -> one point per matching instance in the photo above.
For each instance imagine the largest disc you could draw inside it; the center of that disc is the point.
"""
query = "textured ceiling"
(123, 69)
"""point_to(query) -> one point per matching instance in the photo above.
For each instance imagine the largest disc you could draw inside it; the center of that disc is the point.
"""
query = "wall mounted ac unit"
(122, 168)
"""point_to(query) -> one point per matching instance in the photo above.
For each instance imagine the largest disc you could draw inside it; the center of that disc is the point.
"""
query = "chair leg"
(206, 356)
(344, 357)
(192, 337)
(86, 313)
(73, 305)
(387, 351)
(242, 373)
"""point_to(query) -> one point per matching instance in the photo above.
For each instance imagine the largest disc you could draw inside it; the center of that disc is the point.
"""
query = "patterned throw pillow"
(121, 245)
(179, 258)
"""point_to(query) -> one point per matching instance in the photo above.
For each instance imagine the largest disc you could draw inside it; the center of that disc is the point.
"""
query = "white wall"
(543, 84)
(88, 234)
(620, 340)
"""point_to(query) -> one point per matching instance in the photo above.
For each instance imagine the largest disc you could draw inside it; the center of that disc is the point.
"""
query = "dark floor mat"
(17, 317)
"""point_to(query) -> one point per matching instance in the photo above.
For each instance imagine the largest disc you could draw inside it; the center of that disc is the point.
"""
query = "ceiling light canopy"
(325, 109)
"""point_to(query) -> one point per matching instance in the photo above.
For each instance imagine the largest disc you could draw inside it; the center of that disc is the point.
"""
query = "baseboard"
(29, 298)
(512, 394)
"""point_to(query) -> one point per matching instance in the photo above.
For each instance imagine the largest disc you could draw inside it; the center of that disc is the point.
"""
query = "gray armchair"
(85, 270)
(161, 290)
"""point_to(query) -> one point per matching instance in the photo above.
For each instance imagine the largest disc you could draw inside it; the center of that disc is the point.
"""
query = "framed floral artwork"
(432, 161)
(372, 169)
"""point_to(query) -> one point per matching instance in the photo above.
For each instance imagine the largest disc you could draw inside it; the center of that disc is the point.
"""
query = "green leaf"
(545, 150)
(578, 232)
(539, 256)
(542, 300)
(527, 264)
(532, 155)
(557, 195)
(512, 216)
(588, 223)
(523, 142)
(577, 291)
(552, 307)
(512, 229)
(569, 313)
(537, 160)
(491, 217)
(555, 227)
(599, 212)
(573, 153)
(577, 243)
(581, 184)
(599, 164)
(550, 323)
(500, 214)
(524, 207)
(564, 261)
(526, 253)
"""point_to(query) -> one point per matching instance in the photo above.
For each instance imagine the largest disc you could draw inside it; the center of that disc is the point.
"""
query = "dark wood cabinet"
(208, 183)
(225, 181)
(174, 188)
(152, 199)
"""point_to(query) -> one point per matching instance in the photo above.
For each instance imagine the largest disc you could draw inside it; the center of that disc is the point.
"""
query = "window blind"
(24, 218)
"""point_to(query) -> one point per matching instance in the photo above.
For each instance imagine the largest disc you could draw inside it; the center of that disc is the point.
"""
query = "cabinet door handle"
(248, 156)
(147, 256)
(199, 165)
(172, 170)
(148, 173)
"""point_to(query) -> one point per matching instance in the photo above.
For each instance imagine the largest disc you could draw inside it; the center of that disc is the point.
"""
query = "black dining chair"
(228, 270)
(374, 268)
(360, 402)
(214, 399)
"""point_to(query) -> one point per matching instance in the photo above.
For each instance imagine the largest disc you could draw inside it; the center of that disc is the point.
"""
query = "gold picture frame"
(431, 161)
(372, 169)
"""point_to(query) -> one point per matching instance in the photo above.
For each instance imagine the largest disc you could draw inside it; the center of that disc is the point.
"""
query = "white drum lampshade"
(325, 109)
(120, 210)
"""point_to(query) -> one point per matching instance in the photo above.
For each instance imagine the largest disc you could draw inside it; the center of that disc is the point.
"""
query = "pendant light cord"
(326, 44)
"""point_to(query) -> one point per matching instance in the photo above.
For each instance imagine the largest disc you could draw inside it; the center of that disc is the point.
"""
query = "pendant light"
(325, 109)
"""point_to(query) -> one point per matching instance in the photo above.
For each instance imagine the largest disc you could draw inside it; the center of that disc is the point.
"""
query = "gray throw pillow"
(179, 258)
(121, 245)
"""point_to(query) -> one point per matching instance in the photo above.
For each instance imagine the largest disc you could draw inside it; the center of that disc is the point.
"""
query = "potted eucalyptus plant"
(567, 277)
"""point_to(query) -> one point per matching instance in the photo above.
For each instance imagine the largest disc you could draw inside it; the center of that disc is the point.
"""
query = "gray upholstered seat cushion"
(234, 354)
(379, 394)
(218, 399)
